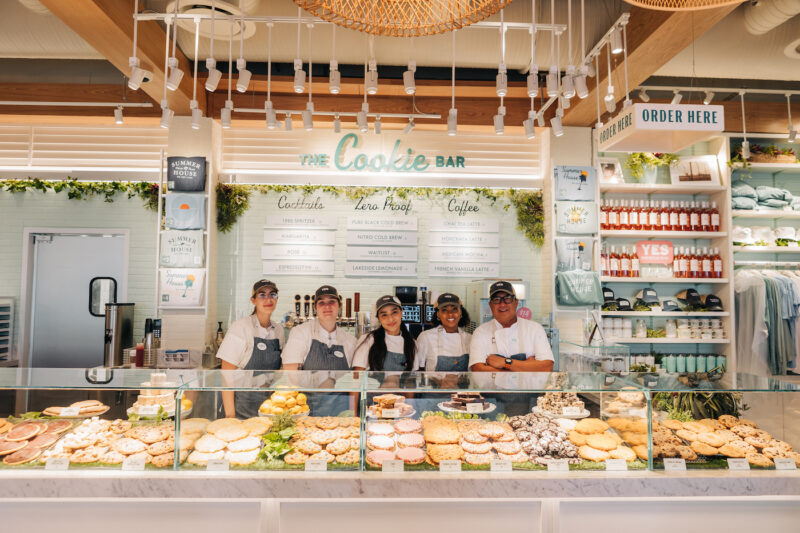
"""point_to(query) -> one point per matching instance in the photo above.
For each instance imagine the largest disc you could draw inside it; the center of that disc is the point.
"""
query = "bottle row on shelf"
(690, 263)
(652, 215)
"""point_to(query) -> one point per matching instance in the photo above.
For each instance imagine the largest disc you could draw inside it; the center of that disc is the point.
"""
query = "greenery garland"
(83, 190)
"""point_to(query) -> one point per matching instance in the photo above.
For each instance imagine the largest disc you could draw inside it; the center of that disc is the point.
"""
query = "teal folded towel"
(745, 203)
(771, 193)
(743, 190)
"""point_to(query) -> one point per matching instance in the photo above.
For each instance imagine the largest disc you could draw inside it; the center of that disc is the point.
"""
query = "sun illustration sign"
(577, 214)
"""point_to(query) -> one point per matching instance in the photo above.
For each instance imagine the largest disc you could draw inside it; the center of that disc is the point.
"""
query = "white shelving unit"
(767, 249)
(771, 214)
(662, 340)
(639, 234)
(707, 314)
(647, 280)
(660, 188)
(6, 328)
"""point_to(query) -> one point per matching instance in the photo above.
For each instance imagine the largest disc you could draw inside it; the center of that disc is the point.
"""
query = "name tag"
(133, 464)
(557, 465)
(616, 465)
(784, 463)
(392, 465)
(449, 466)
(674, 465)
(70, 411)
(316, 465)
(738, 464)
(218, 465)
(500, 465)
(62, 463)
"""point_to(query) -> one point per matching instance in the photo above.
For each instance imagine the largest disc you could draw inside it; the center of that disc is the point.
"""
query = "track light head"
(225, 117)
(745, 149)
(643, 96)
(377, 124)
(709, 97)
(308, 120)
(372, 82)
(499, 124)
(452, 121)
(530, 130)
(272, 121)
(540, 119)
(299, 76)
(501, 80)
(361, 121)
(175, 74)
(214, 75)
(166, 115)
(244, 75)
(409, 127)
(533, 83)
(137, 76)
(677, 97)
(567, 85)
(791, 139)
(337, 124)
(555, 124)
(580, 83)
(408, 78)
(610, 100)
(334, 81)
(118, 115)
(552, 82)
(590, 70)
(197, 114)
(288, 123)
(616, 41)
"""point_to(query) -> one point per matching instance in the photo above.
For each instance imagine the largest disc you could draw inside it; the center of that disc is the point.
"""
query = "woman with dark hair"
(390, 347)
(445, 348)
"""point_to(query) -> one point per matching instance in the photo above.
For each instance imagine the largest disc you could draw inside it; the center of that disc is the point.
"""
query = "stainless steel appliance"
(119, 332)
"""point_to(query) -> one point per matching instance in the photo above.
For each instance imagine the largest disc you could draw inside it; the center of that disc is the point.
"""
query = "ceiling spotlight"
(337, 124)
(377, 124)
(452, 121)
(643, 96)
(197, 114)
(272, 121)
(408, 78)
(530, 130)
(552, 82)
(409, 127)
(709, 97)
(225, 117)
(372, 78)
(214, 75)
(499, 126)
(792, 132)
(616, 41)
(555, 124)
(580, 83)
(166, 115)
(610, 101)
(590, 70)
(334, 78)
(563, 102)
(308, 121)
(288, 123)
(677, 97)
(540, 120)
(299, 76)
(175, 74)
(138, 74)
(244, 75)
(118, 115)
(792, 136)
(567, 86)
(501, 80)
(533, 83)
(361, 121)
(745, 149)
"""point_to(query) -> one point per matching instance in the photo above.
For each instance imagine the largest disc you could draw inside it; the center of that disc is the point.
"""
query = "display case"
(608, 358)
(723, 420)
(58, 418)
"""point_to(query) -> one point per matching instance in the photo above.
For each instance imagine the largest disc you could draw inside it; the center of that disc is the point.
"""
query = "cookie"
(781, 445)
(744, 430)
(161, 447)
(88, 455)
(509, 448)
(411, 455)
(578, 439)
(338, 447)
(728, 420)
(353, 431)
(772, 452)
(686, 453)
(348, 458)
(377, 457)
(129, 446)
(355, 444)
(410, 440)
(795, 456)
(162, 461)
(216, 425)
(323, 436)
(638, 426)
(604, 442)
(380, 442)
(697, 427)
(746, 422)
(115, 458)
(255, 426)
(508, 436)
(407, 426)
(520, 457)
(209, 444)
(244, 445)
(666, 451)
(685, 434)
(474, 437)
(232, 433)
(592, 454)
(244, 458)
(442, 434)
(295, 458)
(712, 439)
(381, 428)
(620, 424)
(713, 424)
(477, 458)
(307, 446)
(121, 426)
(634, 439)
(341, 433)
(587, 426)
(469, 447)
(202, 458)
(672, 424)
(640, 451)
(758, 459)
(757, 442)
(726, 434)
(327, 457)
(703, 448)
(738, 449)
(491, 430)
(328, 422)
(442, 452)
(623, 452)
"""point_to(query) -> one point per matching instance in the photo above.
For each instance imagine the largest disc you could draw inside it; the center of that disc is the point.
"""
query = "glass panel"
(102, 291)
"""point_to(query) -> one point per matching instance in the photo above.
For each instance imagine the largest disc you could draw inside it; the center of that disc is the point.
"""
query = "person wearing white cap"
(252, 343)
(509, 343)
(390, 347)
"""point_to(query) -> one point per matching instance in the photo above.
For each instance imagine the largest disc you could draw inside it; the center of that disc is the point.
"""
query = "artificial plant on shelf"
(637, 162)
(770, 153)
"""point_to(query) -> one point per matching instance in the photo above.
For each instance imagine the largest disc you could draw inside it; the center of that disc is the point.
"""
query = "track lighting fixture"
(501, 81)
(792, 136)
(409, 127)
(377, 124)
(591, 71)
(308, 117)
(567, 85)
(792, 132)
(709, 97)
(175, 74)
(563, 102)
(677, 97)
(408, 78)
(616, 41)
(244, 75)
(225, 114)
(361, 121)
(580, 83)
(530, 130)
(288, 123)
(643, 96)
(372, 78)
(214, 75)
(197, 114)
(746, 149)
(610, 101)
(118, 115)
(299, 76)
(337, 124)
(452, 121)
(166, 115)
(552, 82)
(272, 121)
(533, 83)
(555, 124)
(499, 126)
(334, 78)
(138, 74)
(540, 119)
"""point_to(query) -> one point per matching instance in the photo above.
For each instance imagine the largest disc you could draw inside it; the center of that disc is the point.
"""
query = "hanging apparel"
(185, 211)
(182, 248)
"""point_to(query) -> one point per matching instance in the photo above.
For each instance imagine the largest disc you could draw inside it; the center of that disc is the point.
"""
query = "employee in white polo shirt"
(508, 343)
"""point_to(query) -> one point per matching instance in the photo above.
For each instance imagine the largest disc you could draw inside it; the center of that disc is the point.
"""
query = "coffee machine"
(118, 332)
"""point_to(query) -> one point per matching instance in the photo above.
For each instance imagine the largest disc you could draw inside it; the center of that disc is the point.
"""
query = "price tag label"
(557, 465)
(392, 465)
(316, 465)
(390, 413)
(133, 464)
(583, 386)
(784, 463)
(449, 466)
(500, 465)
(616, 465)
(610, 379)
(148, 410)
(70, 411)
(674, 465)
(650, 383)
(474, 407)
(738, 464)
(218, 465)
(62, 463)
(571, 411)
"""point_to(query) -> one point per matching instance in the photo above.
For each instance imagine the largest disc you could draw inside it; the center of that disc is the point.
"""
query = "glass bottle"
(625, 263)
(683, 217)
(613, 263)
(694, 217)
(663, 217)
(714, 216)
(634, 264)
(706, 264)
(717, 260)
(684, 263)
(603, 261)
(705, 217)
(603, 214)
(613, 220)
(674, 223)
(652, 216)
(676, 263)
(694, 263)
(634, 216)
(624, 212)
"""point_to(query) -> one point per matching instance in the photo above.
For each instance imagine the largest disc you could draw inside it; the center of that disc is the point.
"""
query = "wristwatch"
(508, 363)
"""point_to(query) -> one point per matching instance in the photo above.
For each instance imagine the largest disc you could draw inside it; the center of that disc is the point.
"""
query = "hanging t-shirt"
(576, 217)
(182, 248)
(573, 254)
(575, 183)
(186, 173)
(181, 287)
(185, 211)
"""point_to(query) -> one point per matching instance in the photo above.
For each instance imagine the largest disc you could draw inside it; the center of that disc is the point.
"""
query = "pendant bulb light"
(792, 132)
(241, 65)
(299, 74)
(409, 127)
(372, 75)
(288, 122)
(377, 124)
(552, 75)
(214, 75)
(334, 78)
(225, 117)
(408, 76)
(557, 128)
(676, 97)
(708, 98)
(337, 124)
(118, 115)
(643, 96)
(501, 80)
(533, 73)
(616, 41)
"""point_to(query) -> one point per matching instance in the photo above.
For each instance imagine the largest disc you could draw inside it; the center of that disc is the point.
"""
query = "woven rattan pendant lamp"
(403, 18)
(682, 5)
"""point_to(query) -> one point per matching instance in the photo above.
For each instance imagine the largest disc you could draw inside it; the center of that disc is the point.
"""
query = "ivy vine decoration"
(83, 190)
(232, 201)
(530, 214)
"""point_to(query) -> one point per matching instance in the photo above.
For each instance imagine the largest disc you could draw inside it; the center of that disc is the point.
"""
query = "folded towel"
(743, 190)
(773, 203)
(771, 193)
(746, 203)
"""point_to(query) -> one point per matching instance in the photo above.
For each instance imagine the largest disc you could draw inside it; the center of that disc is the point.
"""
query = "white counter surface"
(413, 485)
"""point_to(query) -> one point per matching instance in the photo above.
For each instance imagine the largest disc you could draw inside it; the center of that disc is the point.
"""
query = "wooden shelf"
(686, 281)
(660, 188)
(767, 249)
(773, 168)
(772, 213)
(662, 340)
(646, 234)
(666, 313)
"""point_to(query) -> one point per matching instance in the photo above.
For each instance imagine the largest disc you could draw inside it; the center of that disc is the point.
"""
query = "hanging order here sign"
(660, 127)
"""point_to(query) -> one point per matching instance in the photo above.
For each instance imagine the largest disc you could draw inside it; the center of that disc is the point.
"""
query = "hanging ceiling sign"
(661, 127)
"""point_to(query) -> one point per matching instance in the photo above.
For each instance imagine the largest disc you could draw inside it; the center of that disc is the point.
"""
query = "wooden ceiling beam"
(654, 38)
(107, 25)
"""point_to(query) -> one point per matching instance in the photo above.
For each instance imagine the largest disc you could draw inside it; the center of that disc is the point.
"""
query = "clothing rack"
(768, 264)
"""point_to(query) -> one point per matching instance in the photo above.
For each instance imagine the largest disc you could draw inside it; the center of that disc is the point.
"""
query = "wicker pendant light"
(682, 5)
(403, 18)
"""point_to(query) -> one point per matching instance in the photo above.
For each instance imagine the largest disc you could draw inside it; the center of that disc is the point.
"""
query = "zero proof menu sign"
(382, 246)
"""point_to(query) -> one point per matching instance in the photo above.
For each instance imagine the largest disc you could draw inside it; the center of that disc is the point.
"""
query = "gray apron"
(322, 357)
(394, 362)
(266, 357)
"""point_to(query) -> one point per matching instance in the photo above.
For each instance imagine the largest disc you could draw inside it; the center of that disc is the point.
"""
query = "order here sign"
(661, 127)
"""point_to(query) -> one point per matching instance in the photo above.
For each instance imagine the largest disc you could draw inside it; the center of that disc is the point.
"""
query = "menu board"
(300, 245)
(464, 247)
(382, 246)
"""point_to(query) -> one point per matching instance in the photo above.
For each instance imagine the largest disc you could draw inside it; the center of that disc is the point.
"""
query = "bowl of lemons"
(282, 402)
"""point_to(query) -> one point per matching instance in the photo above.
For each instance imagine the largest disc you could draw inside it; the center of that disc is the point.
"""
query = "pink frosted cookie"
(410, 440)
(410, 456)
(407, 426)
(377, 457)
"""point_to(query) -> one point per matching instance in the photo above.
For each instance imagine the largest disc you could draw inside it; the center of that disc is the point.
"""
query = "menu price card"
(62, 463)
(616, 465)
(392, 465)
(784, 463)
(475, 408)
(571, 410)
(557, 465)
(500, 465)
(133, 464)
(390, 413)
(148, 410)
(70, 411)
(316, 465)
(674, 465)
(449, 466)
(738, 464)
(218, 465)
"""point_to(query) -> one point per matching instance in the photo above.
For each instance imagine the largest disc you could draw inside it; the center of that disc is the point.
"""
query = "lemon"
(289, 393)
(291, 402)
(296, 410)
(301, 399)
(186, 404)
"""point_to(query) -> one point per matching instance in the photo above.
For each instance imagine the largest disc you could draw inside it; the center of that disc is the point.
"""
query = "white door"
(63, 331)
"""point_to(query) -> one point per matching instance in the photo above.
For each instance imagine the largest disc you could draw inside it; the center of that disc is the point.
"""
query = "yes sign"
(659, 252)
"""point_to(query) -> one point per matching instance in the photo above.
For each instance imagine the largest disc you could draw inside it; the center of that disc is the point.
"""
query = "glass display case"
(608, 358)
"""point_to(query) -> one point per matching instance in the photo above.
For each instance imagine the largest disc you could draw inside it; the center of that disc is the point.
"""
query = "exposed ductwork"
(766, 15)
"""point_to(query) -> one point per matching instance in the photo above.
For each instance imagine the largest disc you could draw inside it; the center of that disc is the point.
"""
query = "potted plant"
(765, 154)
(644, 165)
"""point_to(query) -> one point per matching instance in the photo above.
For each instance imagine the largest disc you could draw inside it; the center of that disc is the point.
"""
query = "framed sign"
(301, 221)
(655, 252)
(610, 170)
(385, 238)
(372, 269)
(456, 254)
(279, 267)
(297, 251)
(469, 270)
(382, 253)
(442, 238)
(481, 225)
(299, 236)
(390, 223)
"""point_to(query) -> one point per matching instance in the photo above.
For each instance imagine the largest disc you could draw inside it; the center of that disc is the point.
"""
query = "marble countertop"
(415, 485)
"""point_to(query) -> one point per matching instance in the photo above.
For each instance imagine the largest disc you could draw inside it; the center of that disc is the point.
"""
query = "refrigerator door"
(64, 333)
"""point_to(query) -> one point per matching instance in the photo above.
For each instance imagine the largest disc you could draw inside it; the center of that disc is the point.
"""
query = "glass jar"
(671, 329)
(641, 329)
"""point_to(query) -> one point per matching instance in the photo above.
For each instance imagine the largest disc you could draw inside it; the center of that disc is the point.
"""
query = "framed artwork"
(610, 170)
(695, 170)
